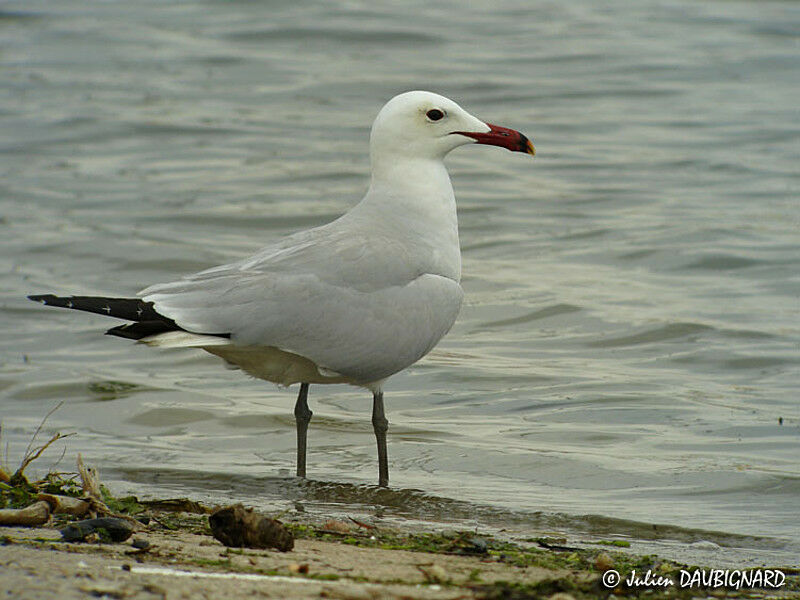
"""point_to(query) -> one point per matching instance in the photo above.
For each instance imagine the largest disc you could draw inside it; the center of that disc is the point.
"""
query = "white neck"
(415, 197)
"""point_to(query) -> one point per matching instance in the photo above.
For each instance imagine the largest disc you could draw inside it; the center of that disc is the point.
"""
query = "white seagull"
(354, 301)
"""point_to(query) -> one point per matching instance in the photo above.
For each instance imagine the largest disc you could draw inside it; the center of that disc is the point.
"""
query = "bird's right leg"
(302, 415)
(380, 425)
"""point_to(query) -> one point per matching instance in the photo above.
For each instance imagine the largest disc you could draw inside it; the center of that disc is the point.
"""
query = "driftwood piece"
(176, 505)
(90, 482)
(37, 513)
(66, 504)
(238, 527)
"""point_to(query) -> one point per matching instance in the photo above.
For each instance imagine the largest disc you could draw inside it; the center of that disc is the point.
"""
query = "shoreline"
(330, 559)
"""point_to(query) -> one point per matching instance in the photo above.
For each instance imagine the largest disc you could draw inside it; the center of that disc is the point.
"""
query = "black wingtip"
(139, 330)
(43, 298)
(146, 320)
(130, 309)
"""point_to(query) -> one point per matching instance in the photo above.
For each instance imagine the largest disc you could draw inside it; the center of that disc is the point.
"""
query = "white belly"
(277, 366)
(364, 339)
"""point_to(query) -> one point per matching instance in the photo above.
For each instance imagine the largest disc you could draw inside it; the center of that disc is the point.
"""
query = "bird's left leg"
(380, 424)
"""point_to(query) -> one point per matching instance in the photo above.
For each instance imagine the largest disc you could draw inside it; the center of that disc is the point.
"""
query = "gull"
(353, 301)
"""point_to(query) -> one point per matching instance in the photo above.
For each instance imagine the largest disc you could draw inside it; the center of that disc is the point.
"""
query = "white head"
(426, 125)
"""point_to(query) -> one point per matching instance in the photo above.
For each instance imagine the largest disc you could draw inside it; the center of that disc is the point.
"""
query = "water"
(628, 351)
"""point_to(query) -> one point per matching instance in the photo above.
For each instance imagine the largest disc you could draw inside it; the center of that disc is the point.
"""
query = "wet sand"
(186, 562)
(35, 564)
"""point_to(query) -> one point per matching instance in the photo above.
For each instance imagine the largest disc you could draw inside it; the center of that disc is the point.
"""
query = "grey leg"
(302, 415)
(381, 425)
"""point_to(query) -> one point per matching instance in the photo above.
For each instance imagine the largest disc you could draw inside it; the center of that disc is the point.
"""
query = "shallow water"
(628, 351)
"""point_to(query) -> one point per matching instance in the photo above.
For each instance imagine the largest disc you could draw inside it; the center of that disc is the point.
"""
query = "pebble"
(296, 568)
(704, 545)
(561, 596)
(433, 573)
(603, 562)
(337, 526)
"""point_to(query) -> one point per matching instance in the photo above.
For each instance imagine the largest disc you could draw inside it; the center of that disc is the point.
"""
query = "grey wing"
(350, 304)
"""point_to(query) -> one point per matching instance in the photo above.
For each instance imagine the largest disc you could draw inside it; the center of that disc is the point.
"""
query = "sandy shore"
(35, 564)
(329, 560)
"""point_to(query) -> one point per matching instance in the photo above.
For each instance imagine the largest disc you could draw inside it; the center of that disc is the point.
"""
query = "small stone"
(665, 568)
(704, 545)
(105, 591)
(351, 592)
(603, 562)
(336, 526)
(478, 546)
(433, 573)
(295, 568)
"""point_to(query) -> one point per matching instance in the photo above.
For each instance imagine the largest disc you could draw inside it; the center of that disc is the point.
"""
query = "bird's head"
(427, 125)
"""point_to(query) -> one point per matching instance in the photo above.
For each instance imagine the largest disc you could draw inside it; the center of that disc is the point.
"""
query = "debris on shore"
(330, 558)
(106, 529)
(240, 527)
(29, 516)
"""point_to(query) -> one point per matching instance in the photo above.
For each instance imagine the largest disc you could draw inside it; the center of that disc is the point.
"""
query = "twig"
(91, 489)
(63, 476)
(32, 455)
(5, 454)
(60, 458)
(36, 433)
(361, 524)
(90, 481)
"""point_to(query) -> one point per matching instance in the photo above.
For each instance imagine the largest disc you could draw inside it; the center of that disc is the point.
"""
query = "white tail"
(184, 339)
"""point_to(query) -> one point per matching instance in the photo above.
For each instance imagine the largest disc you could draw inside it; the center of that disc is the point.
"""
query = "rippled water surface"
(628, 351)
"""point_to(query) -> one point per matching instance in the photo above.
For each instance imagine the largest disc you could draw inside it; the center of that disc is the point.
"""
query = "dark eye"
(434, 114)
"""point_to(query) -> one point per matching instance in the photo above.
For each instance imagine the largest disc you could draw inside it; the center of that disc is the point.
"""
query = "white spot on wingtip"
(327, 372)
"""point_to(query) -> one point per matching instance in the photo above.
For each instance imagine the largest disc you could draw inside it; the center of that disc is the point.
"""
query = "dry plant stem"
(25, 459)
(362, 524)
(90, 482)
(32, 455)
(91, 490)
(4, 476)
